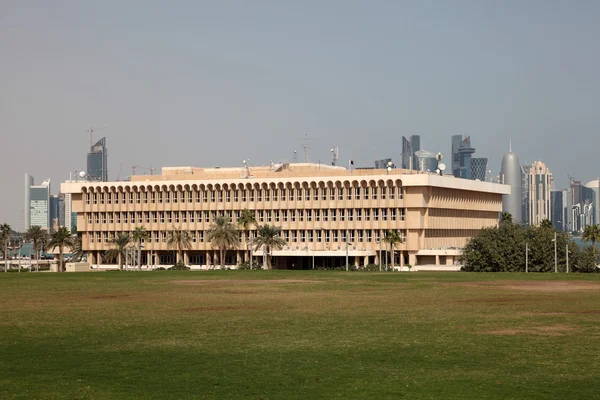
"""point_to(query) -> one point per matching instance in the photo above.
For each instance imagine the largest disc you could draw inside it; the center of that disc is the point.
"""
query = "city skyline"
(216, 84)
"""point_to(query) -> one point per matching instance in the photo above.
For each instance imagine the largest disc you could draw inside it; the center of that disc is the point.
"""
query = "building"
(325, 212)
(479, 168)
(54, 213)
(510, 174)
(37, 204)
(594, 187)
(70, 216)
(559, 213)
(426, 161)
(525, 169)
(97, 166)
(384, 163)
(461, 156)
(540, 185)
(409, 147)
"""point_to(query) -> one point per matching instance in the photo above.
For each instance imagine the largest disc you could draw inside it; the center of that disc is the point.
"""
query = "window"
(193, 237)
(184, 217)
(292, 215)
(319, 235)
(342, 214)
(152, 197)
(284, 215)
(228, 196)
(89, 218)
(375, 214)
(145, 197)
(123, 198)
(402, 214)
(340, 193)
(258, 195)
(393, 214)
(335, 235)
(205, 196)
(276, 212)
(147, 215)
(220, 196)
(275, 194)
(213, 216)
(374, 193)
(392, 190)
(97, 218)
(261, 216)
(244, 195)
(163, 237)
(212, 196)
(130, 195)
(118, 217)
(156, 237)
(366, 194)
(191, 215)
(291, 195)
(349, 214)
(206, 216)
(325, 215)
(358, 214)
(182, 197)
(327, 236)
(105, 236)
(125, 218)
(286, 235)
(282, 194)
(303, 236)
(267, 194)
(101, 198)
(95, 198)
(324, 194)
(351, 235)
(198, 216)
(116, 198)
(344, 236)
(154, 219)
(251, 194)
(349, 193)
(368, 235)
(299, 195)
(201, 236)
(357, 195)
(294, 236)
(197, 196)
(236, 195)
(160, 197)
(384, 214)
(138, 197)
(331, 193)
(109, 198)
(162, 217)
(310, 236)
(301, 215)
(367, 214)
(268, 215)
(111, 218)
(360, 235)
(316, 194)
(87, 198)
(169, 217)
(333, 215)
(383, 193)
(317, 215)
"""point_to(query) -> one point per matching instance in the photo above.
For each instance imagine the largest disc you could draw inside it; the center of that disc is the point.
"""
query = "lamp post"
(313, 258)
(379, 255)
(250, 248)
(347, 269)
(555, 255)
(527, 257)
(567, 253)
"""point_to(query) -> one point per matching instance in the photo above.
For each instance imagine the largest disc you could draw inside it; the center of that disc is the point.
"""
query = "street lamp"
(347, 268)
(379, 241)
(527, 257)
(250, 249)
(555, 255)
(567, 253)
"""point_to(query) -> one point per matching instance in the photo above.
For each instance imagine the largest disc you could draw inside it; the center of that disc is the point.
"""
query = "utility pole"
(555, 255)
(567, 253)
(526, 257)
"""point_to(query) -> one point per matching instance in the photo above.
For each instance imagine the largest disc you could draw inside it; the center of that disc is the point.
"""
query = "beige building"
(325, 212)
(540, 183)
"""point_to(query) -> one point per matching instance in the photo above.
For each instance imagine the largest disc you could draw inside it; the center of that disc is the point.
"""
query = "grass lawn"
(299, 335)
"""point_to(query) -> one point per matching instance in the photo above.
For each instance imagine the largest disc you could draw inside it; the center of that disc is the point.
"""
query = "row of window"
(290, 236)
(262, 216)
(366, 193)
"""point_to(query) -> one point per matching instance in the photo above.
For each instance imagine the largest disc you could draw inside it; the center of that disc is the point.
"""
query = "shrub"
(370, 268)
(160, 269)
(245, 266)
(180, 266)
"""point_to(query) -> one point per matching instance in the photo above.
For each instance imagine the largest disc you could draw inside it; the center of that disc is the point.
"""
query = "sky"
(207, 83)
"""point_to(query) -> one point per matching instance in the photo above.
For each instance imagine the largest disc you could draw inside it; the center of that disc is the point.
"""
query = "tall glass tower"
(96, 161)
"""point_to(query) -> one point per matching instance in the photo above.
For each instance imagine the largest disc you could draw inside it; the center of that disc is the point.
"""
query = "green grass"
(341, 335)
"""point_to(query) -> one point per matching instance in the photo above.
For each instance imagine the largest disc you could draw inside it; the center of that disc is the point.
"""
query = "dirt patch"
(240, 281)
(491, 300)
(110, 296)
(224, 308)
(543, 314)
(550, 330)
(536, 286)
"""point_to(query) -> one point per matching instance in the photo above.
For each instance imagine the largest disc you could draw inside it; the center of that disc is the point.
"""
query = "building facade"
(37, 204)
(97, 165)
(409, 147)
(325, 213)
(479, 168)
(540, 185)
(559, 213)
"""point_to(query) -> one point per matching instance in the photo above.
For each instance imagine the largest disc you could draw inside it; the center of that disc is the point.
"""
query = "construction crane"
(133, 167)
(91, 131)
(147, 169)
(120, 169)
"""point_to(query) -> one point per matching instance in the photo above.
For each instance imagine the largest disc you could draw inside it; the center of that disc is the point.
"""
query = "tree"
(5, 232)
(591, 233)
(247, 219)
(223, 235)
(269, 238)
(77, 249)
(119, 251)
(546, 224)
(392, 238)
(35, 234)
(61, 238)
(179, 240)
(138, 235)
(506, 217)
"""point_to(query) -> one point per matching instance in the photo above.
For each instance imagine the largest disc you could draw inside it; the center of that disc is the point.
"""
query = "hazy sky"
(212, 83)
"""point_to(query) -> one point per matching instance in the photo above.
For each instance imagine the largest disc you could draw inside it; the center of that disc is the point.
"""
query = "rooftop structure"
(511, 175)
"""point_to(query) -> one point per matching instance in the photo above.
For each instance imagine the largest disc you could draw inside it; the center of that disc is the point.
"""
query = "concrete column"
(356, 258)
(186, 258)
(401, 258)
(449, 260)
(412, 259)
(177, 257)
(437, 259)
(208, 259)
(238, 257)
(366, 260)
(216, 259)
(91, 258)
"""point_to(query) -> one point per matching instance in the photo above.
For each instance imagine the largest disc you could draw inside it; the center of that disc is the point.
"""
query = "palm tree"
(591, 233)
(223, 235)
(506, 217)
(36, 235)
(246, 220)
(61, 238)
(546, 224)
(139, 234)
(5, 232)
(179, 240)
(393, 238)
(77, 250)
(269, 238)
(120, 250)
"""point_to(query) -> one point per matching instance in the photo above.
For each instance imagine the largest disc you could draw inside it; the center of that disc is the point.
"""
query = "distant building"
(461, 156)
(558, 210)
(594, 186)
(409, 147)
(525, 169)
(53, 213)
(97, 167)
(37, 204)
(540, 185)
(426, 161)
(383, 163)
(479, 168)
(511, 175)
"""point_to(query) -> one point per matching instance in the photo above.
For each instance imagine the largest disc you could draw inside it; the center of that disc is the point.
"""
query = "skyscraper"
(461, 156)
(409, 147)
(426, 161)
(558, 205)
(511, 175)
(540, 185)
(37, 204)
(97, 167)
(525, 194)
(384, 163)
(479, 169)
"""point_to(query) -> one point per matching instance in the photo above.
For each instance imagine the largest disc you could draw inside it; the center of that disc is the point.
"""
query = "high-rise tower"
(511, 175)
(97, 167)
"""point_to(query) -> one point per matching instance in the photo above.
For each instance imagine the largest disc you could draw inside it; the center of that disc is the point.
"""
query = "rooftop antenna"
(91, 131)
(306, 146)
(295, 159)
(510, 145)
(335, 153)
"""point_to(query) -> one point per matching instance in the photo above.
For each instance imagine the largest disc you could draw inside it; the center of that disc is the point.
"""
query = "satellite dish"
(441, 166)
(439, 157)
(82, 174)
(389, 169)
(437, 171)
